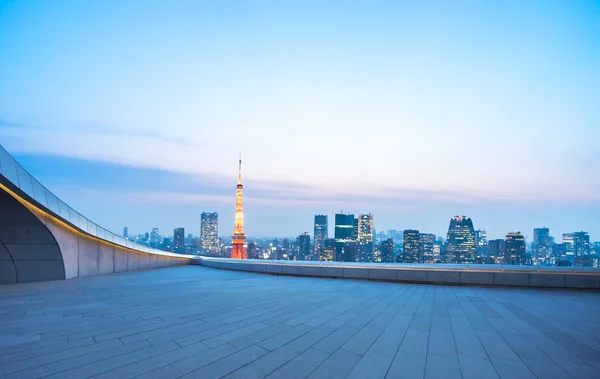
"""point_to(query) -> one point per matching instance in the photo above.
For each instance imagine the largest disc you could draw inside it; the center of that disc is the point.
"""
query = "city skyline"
(411, 121)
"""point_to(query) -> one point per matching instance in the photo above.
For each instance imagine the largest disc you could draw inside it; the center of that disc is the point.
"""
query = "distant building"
(321, 233)
(252, 251)
(344, 231)
(542, 245)
(515, 249)
(496, 251)
(426, 243)
(438, 250)
(481, 243)
(460, 242)
(412, 240)
(355, 230)
(581, 244)
(387, 251)
(126, 233)
(303, 243)
(365, 237)
(327, 252)
(179, 240)
(569, 247)
(209, 233)
(155, 237)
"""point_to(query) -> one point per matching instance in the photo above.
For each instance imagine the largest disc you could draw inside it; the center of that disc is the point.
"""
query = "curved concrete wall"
(28, 251)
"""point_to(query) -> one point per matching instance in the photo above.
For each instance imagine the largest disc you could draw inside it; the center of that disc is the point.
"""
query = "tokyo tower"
(239, 238)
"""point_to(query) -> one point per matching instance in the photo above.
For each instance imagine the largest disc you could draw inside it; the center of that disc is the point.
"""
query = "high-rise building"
(426, 243)
(155, 237)
(581, 244)
(179, 240)
(126, 233)
(238, 250)
(344, 231)
(542, 247)
(209, 233)
(438, 250)
(303, 243)
(460, 242)
(481, 244)
(411, 251)
(365, 237)
(387, 251)
(515, 249)
(355, 230)
(321, 233)
(496, 251)
(327, 252)
(569, 247)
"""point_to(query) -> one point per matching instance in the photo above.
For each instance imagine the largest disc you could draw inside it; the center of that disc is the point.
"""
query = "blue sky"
(134, 112)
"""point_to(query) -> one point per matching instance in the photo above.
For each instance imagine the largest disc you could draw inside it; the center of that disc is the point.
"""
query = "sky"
(134, 112)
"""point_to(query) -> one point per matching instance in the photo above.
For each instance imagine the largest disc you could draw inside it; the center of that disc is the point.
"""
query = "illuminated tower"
(239, 238)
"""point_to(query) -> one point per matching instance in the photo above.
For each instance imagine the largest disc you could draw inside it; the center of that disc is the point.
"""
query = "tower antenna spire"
(240, 170)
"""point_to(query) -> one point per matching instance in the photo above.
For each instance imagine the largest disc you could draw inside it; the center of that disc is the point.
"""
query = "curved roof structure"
(23, 188)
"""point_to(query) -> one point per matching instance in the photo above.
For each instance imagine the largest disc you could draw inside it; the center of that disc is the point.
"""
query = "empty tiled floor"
(197, 322)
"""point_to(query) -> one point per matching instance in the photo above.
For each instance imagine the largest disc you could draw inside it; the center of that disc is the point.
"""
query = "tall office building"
(355, 230)
(344, 231)
(321, 233)
(426, 243)
(496, 251)
(542, 247)
(327, 252)
(515, 249)
(411, 251)
(303, 243)
(154, 237)
(581, 244)
(126, 232)
(365, 238)
(460, 242)
(179, 240)
(387, 251)
(209, 233)
(569, 247)
(438, 251)
(239, 237)
(481, 243)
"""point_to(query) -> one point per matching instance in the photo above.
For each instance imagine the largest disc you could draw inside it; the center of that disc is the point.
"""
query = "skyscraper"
(365, 237)
(209, 233)
(239, 237)
(303, 242)
(426, 243)
(344, 231)
(154, 237)
(355, 230)
(542, 247)
(496, 251)
(387, 251)
(581, 243)
(569, 247)
(179, 240)
(481, 243)
(460, 246)
(321, 233)
(412, 251)
(327, 252)
(126, 232)
(515, 249)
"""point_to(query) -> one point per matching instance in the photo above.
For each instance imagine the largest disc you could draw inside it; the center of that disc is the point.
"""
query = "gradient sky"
(133, 112)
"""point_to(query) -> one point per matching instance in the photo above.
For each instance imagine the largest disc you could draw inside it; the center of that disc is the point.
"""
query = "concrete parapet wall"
(521, 277)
